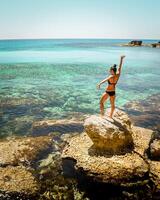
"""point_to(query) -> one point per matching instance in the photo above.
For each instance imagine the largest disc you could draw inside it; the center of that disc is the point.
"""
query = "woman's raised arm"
(120, 64)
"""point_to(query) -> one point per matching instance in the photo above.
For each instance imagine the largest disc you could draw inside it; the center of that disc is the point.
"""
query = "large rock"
(127, 169)
(118, 169)
(111, 136)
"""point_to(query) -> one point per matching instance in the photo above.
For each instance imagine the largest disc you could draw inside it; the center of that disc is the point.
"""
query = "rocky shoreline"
(34, 167)
(126, 171)
(31, 167)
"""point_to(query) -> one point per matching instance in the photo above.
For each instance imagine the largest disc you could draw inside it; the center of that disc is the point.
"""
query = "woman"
(110, 89)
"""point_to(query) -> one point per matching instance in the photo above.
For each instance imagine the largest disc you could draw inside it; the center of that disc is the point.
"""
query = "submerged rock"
(13, 102)
(111, 136)
(62, 126)
(145, 113)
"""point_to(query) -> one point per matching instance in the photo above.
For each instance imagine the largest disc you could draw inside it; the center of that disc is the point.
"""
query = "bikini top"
(111, 83)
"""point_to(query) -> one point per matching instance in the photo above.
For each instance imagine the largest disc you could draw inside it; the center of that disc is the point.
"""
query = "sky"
(131, 19)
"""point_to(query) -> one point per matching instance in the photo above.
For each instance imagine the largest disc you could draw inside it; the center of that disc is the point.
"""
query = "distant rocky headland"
(139, 43)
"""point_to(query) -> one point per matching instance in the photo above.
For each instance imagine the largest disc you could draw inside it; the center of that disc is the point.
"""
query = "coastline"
(142, 113)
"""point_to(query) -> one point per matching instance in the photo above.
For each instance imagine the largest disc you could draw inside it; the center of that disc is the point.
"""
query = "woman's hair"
(114, 68)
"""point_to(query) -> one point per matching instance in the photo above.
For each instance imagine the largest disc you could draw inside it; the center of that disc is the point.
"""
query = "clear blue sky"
(80, 19)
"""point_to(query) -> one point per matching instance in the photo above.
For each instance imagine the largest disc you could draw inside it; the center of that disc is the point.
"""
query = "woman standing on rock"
(110, 89)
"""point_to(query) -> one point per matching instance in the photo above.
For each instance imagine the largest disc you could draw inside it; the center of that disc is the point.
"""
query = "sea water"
(53, 79)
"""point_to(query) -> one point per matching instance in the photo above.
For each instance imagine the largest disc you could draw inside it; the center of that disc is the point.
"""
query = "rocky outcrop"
(112, 169)
(156, 45)
(138, 43)
(111, 136)
(132, 168)
(155, 149)
(135, 43)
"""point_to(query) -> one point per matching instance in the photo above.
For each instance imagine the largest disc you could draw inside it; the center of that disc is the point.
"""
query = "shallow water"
(46, 79)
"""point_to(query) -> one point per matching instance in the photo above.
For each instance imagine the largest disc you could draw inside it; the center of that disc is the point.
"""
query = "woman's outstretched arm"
(120, 64)
(103, 81)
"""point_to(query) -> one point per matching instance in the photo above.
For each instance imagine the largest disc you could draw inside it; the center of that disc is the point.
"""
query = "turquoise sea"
(56, 78)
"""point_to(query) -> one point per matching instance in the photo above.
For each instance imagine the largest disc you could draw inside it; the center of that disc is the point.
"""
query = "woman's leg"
(112, 101)
(102, 100)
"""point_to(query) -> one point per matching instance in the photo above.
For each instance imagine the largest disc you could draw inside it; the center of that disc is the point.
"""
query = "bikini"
(111, 93)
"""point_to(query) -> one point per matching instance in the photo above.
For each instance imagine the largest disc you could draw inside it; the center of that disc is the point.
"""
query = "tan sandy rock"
(25, 149)
(113, 136)
(17, 179)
